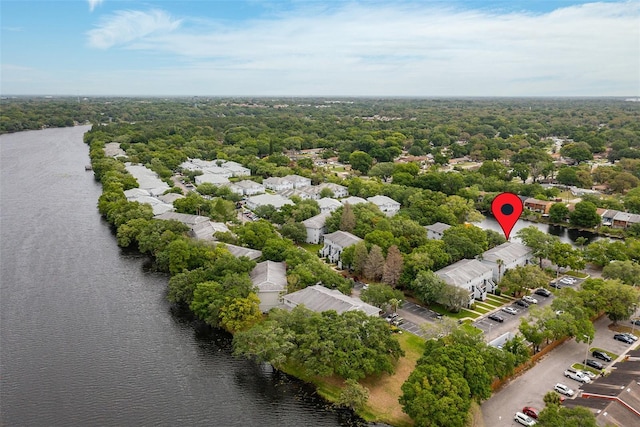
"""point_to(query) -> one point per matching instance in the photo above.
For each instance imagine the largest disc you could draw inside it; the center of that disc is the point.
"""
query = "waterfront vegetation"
(401, 149)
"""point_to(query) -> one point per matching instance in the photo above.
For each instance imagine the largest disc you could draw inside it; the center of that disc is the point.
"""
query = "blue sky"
(320, 48)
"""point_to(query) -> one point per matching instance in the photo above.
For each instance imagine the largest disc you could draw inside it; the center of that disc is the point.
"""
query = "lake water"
(565, 234)
(86, 335)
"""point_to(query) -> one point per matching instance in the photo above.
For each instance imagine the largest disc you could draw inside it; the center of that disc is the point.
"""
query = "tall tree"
(585, 215)
(392, 266)
(374, 266)
(348, 218)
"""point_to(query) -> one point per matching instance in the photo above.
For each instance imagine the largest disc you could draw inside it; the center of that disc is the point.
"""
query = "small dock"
(88, 168)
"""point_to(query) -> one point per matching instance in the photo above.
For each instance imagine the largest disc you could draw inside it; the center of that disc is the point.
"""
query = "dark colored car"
(556, 285)
(522, 303)
(528, 410)
(636, 322)
(543, 292)
(496, 317)
(623, 338)
(593, 363)
(601, 355)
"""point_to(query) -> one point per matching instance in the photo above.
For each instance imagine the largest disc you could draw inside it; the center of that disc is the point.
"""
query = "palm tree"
(500, 264)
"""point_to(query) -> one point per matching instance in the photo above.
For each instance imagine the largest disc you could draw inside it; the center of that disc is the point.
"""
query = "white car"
(563, 389)
(587, 373)
(577, 375)
(530, 299)
(510, 310)
(524, 419)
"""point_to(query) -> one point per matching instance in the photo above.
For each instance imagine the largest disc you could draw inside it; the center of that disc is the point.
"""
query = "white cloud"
(93, 4)
(129, 26)
(391, 49)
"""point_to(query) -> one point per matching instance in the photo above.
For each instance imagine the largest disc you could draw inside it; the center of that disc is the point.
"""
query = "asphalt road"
(529, 388)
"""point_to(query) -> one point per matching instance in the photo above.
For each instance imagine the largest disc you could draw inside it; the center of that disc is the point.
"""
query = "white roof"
(317, 221)
(438, 227)
(382, 200)
(187, 219)
(170, 197)
(239, 251)
(329, 203)
(626, 217)
(342, 238)
(353, 200)
(463, 271)
(269, 276)
(507, 252)
(212, 178)
(248, 184)
(275, 200)
(147, 179)
(318, 298)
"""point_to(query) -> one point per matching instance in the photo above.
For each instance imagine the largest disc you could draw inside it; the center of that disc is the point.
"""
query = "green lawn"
(310, 247)
(461, 315)
(482, 310)
(491, 303)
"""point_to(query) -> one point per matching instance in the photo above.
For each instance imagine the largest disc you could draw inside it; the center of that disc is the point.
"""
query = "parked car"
(566, 281)
(524, 419)
(563, 389)
(570, 280)
(397, 321)
(547, 293)
(593, 363)
(589, 374)
(510, 310)
(522, 303)
(574, 375)
(528, 410)
(635, 322)
(556, 285)
(631, 336)
(601, 355)
(496, 317)
(623, 338)
(529, 299)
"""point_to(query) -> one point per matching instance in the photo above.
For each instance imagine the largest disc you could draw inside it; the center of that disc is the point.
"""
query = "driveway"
(529, 388)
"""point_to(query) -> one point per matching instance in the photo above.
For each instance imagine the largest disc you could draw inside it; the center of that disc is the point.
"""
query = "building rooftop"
(318, 298)
(317, 221)
(187, 219)
(507, 252)
(463, 271)
(275, 200)
(342, 238)
(438, 227)
(239, 251)
(353, 200)
(382, 200)
(269, 276)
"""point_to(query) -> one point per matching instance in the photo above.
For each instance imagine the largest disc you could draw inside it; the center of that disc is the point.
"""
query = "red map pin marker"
(506, 207)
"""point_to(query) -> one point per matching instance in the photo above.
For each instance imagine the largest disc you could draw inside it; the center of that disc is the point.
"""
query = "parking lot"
(529, 388)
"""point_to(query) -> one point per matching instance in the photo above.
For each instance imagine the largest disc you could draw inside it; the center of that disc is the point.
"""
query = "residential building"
(207, 230)
(625, 220)
(319, 298)
(353, 200)
(505, 257)
(339, 191)
(275, 200)
(298, 181)
(328, 205)
(147, 179)
(240, 251)
(143, 196)
(471, 275)
(247, 188)
(315, 228)
(387, 205)
(212, 178)
(236, 169)
(535, 205)
(270, 280)
(436, 231)
(277, 184)
(335, 243)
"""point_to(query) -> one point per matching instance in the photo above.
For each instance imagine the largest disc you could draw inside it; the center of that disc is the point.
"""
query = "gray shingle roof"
(318, 298)
(269, 276)
(438, 227)
(342, 238)
(317, 221)
(463, 271)
(507, 252)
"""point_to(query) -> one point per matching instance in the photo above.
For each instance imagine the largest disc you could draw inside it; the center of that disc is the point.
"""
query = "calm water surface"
(87, 337)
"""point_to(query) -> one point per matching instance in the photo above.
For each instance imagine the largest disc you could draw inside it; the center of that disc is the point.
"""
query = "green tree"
(454, 298)
(267, 341)
(585, 215)
(428, 287)
(539, 241)
(620, 300)
(627, 271)
(360, 161)
(240, 313)
(578, 151)
(564, 255)
(295, 231)
(434, 396)
(556, 415)
(381, 295)
(558, 213)
(255, 234)
(552, 398)
(353, 395)
(517, 280)
(465, 241)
